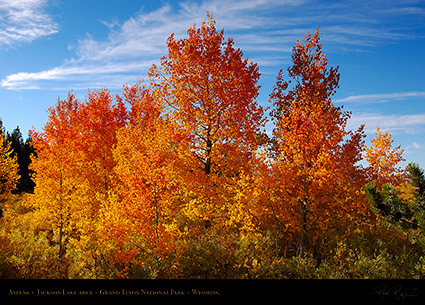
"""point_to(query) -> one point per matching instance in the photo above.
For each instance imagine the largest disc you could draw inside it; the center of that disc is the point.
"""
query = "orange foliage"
(57, 192)
(101, 118)
(73, 165)
(315, 156)
(209, 90)
(137, 218)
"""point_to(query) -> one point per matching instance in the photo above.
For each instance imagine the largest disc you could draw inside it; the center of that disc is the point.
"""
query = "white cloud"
(146, 33)
(416, 145)
(408, 124)
(380, 98)
(23, 21)
(77, 72)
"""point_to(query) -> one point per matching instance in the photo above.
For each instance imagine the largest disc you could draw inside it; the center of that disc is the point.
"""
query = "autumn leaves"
(8, 169)
(316, 158)
(177, 177)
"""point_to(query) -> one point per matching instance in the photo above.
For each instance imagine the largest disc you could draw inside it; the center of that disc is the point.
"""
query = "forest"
(176, 177)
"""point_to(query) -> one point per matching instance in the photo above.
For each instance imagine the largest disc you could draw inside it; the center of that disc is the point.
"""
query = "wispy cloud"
(416, 145)
(75, 73)
(381, 98)
(264, 29)
(406, 124)
(23, 21)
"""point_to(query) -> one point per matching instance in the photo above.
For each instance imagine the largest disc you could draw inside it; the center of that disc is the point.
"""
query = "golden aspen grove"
(176, 177)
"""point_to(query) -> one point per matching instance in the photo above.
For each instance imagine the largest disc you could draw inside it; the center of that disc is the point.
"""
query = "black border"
(282, 291)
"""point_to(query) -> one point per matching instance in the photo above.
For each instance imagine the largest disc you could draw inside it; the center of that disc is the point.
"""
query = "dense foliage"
(177, 178)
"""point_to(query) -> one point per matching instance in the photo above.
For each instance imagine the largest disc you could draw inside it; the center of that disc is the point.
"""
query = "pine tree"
(26, 181)
(407, 215)
(23, 151)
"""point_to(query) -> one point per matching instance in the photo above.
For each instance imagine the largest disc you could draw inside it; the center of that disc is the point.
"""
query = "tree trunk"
(304, 211)
(60, 252)
(208, 152)
(61, 220)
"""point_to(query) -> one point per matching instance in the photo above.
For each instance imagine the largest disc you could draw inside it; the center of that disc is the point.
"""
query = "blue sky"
(50, 47)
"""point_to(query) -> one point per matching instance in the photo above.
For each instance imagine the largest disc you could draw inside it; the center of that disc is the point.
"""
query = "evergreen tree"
(26, 183)
(23, 151)
(407, 215)
(2, 129)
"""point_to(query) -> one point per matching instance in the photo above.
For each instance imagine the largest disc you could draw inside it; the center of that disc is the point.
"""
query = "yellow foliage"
(383, 159)
(8, 169)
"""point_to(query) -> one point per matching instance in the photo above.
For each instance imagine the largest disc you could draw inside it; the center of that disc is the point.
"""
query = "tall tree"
(59, 191)
(138, 218)
(210, 91)
(73, 167)
(99, 118)
(316, 158)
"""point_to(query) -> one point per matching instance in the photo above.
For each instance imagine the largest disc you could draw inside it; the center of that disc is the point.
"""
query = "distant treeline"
(22, 150)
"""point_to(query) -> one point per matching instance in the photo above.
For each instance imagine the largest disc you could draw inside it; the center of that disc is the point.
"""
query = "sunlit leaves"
(315, 156)
(383, 159)
(8, 168)
(73, 165)
(137, 216)
(209, 90)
